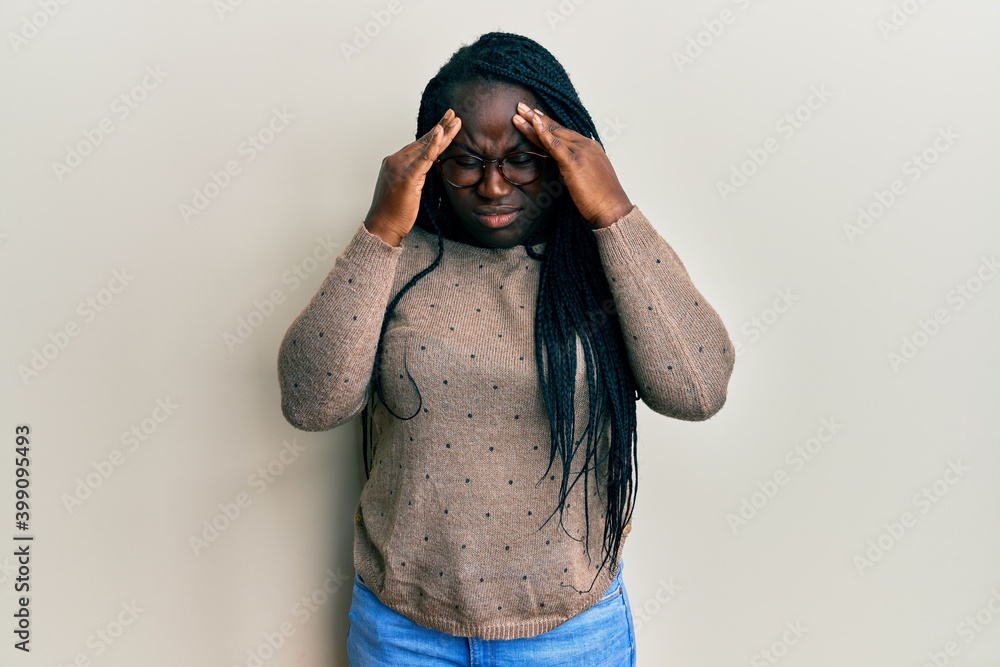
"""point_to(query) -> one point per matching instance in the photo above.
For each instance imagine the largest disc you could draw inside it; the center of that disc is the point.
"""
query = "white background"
(705, 589)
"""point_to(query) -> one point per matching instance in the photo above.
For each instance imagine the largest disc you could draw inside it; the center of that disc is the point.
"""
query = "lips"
(496, 217)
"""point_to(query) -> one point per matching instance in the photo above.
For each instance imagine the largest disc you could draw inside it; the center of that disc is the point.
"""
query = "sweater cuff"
(622, 239)
(365, 247)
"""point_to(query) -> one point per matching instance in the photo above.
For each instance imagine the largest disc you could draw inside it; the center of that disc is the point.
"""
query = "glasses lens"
(522, 167)
(463, 170)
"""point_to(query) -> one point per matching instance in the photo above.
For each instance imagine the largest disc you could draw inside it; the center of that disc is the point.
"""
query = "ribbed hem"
(513, 629)
(469, 251)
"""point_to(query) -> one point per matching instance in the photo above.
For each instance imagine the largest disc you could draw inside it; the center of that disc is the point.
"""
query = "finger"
(561, 132)
(545, 129)
(441, 137)
(449, 131)
(527, 130)
(564, 133)
(428, 137)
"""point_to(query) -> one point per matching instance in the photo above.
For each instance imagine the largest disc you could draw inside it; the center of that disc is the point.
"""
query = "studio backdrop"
(178, 178)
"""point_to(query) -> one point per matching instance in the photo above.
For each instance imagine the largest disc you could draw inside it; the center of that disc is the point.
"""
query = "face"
(488, 131)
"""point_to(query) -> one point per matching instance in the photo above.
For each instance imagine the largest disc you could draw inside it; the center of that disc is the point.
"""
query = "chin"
(506, 237)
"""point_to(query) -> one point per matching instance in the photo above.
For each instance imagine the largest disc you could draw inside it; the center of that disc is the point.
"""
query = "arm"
(326, 357)
(678, 347)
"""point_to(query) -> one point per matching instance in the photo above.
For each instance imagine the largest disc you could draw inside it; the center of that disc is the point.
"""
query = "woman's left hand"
(583, 164)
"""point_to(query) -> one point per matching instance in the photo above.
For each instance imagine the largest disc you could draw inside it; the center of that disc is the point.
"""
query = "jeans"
(601, 636)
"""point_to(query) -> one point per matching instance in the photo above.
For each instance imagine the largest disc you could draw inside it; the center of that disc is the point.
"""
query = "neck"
(540, 235)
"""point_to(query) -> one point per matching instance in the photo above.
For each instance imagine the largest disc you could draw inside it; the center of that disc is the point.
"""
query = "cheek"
(538, 204)
(453, 200)
(455, 206)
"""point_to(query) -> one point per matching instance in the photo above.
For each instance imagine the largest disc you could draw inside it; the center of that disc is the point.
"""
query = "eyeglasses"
(518, 168)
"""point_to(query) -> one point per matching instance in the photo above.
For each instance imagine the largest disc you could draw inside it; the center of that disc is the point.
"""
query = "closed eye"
(520, 158)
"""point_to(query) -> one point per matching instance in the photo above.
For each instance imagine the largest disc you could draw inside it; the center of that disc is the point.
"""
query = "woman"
(512, 239)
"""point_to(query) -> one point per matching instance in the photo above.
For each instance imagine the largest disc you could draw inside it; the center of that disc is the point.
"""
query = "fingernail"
(538, 112)
(522, 106)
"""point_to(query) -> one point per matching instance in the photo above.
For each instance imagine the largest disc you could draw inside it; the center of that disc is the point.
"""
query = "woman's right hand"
(401, 179)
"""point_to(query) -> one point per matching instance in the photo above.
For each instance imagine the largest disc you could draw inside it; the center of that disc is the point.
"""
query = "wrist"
(385, 233)
(612, 215)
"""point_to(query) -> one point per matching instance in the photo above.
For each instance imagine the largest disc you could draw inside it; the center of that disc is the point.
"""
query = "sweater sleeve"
(326, 357)
(679, 350)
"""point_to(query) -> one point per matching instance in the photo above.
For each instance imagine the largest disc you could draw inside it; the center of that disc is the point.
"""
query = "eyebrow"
(521, 143)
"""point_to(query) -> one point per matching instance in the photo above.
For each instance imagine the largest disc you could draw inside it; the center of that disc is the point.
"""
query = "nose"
(493, 185)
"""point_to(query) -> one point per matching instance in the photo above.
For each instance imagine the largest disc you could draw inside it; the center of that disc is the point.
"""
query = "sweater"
(450, 527)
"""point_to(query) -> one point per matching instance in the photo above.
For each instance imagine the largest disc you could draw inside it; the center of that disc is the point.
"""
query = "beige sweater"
(447, 528)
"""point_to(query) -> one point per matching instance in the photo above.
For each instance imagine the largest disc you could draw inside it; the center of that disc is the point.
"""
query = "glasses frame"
(483, 162)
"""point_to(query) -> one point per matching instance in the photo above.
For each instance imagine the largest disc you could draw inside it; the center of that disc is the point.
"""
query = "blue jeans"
(601, 635)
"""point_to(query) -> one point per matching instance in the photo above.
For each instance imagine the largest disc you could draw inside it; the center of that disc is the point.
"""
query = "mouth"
(498, 219)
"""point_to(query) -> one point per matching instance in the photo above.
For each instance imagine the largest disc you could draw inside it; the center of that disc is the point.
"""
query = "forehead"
(486, 110)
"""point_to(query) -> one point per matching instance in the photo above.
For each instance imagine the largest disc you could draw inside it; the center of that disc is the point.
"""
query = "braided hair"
(574, 299)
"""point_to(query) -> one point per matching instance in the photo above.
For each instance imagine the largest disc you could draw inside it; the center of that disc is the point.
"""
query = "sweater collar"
(459, 248)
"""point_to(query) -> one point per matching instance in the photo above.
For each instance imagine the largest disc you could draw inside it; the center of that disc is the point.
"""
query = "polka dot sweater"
(450, 529)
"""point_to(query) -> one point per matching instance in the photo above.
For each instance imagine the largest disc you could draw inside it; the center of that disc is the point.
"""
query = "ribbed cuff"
(365, 246)
(622, 239)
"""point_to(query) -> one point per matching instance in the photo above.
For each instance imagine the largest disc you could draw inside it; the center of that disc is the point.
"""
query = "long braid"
(572, 295)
